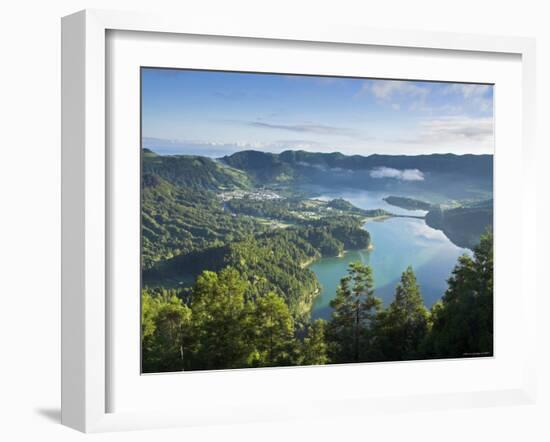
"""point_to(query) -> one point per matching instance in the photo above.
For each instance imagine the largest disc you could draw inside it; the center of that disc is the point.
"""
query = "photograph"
(298, 220)
(266, 221)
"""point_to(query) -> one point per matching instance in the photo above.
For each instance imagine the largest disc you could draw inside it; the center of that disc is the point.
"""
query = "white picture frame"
(86, 316)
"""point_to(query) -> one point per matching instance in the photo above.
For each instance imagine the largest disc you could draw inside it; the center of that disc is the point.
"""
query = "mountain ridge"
(456, 176)
(357, 162)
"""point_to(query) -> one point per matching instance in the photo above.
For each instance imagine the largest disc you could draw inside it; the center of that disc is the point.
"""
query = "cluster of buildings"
(256, 195)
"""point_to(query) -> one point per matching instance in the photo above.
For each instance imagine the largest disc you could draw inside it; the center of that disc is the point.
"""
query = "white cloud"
(321, 129)
(388, 89)
(478, 95)
(445, 109)
(218, 149)
(395, 93)
(297, 144)
(458, 134)
(457, 128)
(469, 90)
(402, 175)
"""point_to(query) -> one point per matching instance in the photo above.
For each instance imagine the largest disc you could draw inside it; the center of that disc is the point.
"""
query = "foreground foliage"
(216, 325)
(226, 282)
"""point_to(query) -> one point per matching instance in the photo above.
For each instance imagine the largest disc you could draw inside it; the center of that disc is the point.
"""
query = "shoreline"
(377, 218)
(369, 248)
(391, 215)
(319, 290)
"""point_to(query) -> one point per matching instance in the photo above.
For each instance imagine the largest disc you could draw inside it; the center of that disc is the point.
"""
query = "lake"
(397, 243)
(364, 199)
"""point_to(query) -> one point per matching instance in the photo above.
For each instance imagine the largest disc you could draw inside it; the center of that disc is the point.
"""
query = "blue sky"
(217, 113)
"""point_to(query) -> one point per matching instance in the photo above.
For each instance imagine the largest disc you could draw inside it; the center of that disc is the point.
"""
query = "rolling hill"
(194, 172)
(453, 176)
(463, 225)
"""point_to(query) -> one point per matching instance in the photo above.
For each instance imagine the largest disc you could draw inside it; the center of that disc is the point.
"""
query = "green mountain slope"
(194, 172)
(468, 165)
(451, 176)
(463, 225)
(181, 219)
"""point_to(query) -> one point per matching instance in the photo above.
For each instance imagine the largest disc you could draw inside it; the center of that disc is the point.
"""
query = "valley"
(287, 232)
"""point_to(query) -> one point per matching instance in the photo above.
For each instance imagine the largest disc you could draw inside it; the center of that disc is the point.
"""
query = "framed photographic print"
(271, 223)
(366, 239)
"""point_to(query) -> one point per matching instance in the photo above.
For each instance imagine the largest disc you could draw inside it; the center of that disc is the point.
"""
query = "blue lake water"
(364, 199)
(397, 243)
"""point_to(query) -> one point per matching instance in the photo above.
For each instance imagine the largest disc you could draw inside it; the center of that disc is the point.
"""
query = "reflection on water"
(398, 243)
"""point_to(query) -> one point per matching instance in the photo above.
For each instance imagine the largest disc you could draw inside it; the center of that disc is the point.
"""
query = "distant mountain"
(456, 176)
(263, 166)
(470, 165)
(443, 176)
(193, 172)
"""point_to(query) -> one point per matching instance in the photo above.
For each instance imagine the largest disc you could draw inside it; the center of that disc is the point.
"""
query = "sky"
(215, 113)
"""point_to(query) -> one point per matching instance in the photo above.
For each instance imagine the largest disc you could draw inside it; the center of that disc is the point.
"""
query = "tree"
(166, 332)
(272, 332)
(404, 325)
(219, 317)
(148, 315)
(463, 320)
(314, 347)
(355, 308)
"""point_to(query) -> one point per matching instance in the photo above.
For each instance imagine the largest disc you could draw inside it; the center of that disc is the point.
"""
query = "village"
(256, 195)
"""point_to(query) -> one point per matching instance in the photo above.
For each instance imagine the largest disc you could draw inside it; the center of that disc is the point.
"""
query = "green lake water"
(397, 243)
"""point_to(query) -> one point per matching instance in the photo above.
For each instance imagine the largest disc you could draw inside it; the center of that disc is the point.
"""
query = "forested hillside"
(217, 326)
(451, 176)
(177, 219)
(193, 172)
(462, 225)
(254, 161)
(209, 223)
(226, 281)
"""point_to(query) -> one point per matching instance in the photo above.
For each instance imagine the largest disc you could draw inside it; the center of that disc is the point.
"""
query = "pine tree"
(354, 309)
(314, 348)
(219, 317)
(166, 332)
(463, 320)
(404, 325)
(272, 330)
